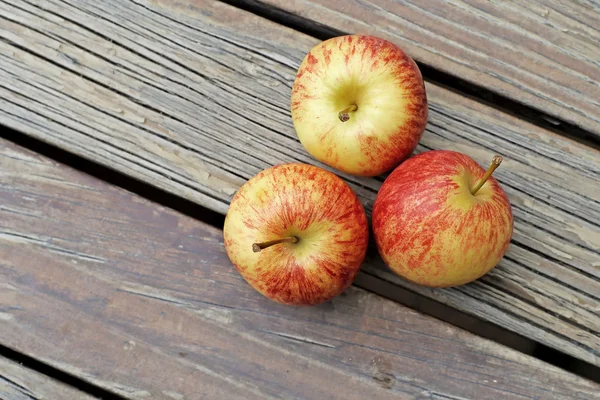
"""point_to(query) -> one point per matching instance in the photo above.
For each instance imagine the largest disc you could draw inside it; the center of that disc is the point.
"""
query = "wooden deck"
(191, 98)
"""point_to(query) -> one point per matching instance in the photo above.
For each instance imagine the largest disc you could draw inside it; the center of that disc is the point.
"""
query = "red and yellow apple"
(441, 220)
(359, 104)
(297, 234)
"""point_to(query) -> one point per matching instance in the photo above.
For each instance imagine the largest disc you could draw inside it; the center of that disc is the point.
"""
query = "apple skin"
(431, 230)
(386, 86)
(307, 202)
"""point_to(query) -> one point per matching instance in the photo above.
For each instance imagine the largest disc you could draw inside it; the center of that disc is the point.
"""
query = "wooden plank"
(545, 54)
(194, 99)
(143, 301)
(20, 383)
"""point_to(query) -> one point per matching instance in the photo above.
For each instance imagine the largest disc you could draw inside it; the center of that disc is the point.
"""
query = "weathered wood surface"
(544, 53)
(20, 383)
(194, 98)
(143, 301)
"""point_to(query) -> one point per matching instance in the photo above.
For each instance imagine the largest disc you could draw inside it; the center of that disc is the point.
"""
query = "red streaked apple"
(441, 220)
(297, 234)
(359, 104)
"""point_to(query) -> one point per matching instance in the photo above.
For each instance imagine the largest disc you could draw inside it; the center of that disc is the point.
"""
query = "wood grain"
(143, 301)
(545, 54)
(194, 99)
(20, 383)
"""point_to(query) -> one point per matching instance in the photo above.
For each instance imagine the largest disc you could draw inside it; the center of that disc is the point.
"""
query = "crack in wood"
(21, 388)
(153, 296)
(47, 244)
(302, 339)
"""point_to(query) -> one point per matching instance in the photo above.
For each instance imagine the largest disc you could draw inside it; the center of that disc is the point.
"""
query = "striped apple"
(359, 104)
(297, 234)
(441, 220)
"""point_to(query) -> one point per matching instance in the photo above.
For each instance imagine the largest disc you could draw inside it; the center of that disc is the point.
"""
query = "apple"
(441, 220)
(297, 234)
(359, 104)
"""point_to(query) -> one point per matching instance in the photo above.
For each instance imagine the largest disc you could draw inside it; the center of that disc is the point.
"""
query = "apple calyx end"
(344, 115)
(496, 161)
(257, 247)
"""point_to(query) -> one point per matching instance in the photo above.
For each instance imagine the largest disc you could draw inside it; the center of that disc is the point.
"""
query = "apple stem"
(344, 114)
(495, 164)
(257, 247)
